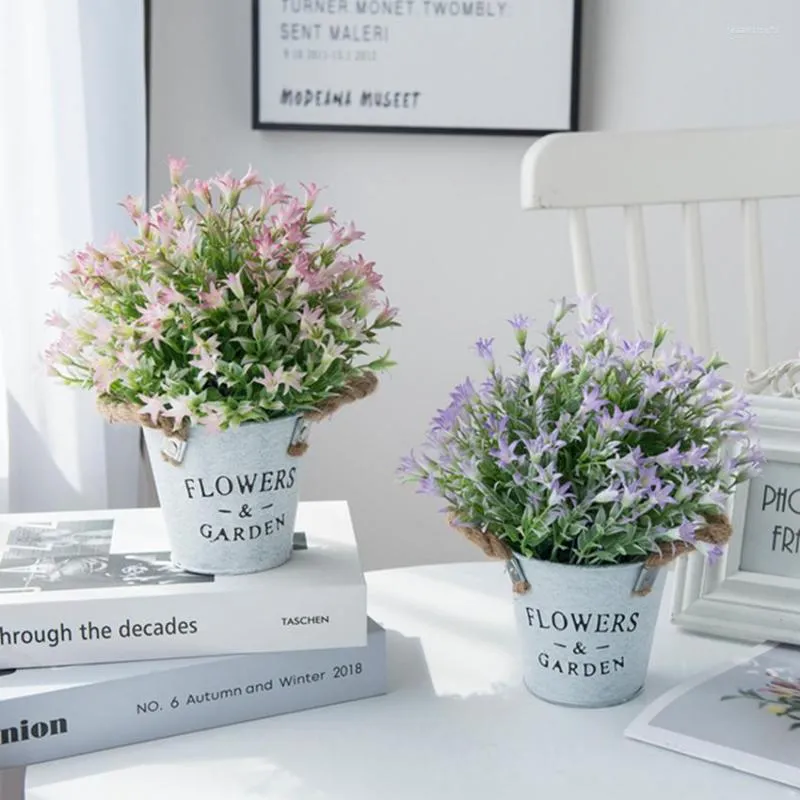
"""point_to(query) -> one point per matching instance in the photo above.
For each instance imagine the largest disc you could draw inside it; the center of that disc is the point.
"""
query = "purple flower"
(618, 422)
(686, 490)
(463, 393)
(519, 322)
(470, 468)
(427, 485)
(504, 452)
(559, 492)
(653, 385)
(661, 494)
(592, 402)
(714, 554)
(715, 497)
(518, 479)
(563, 360)
(648, 476)
(409, 465)
(687, 531)
(445, 418)
(484, 348)
(695, 456)
(672, 457)
(632, 350)
(496, 427)
(632, 460)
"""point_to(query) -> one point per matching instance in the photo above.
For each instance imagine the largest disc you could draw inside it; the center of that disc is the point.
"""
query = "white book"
(55, 712)
(93, 587)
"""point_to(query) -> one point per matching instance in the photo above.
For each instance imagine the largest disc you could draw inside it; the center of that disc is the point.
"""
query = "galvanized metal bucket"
(229, 498)
(585, 636)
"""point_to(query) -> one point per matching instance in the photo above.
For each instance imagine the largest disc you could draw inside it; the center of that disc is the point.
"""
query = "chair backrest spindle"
(581, 252)
(754, 287)
(697, 291)
(638, 276)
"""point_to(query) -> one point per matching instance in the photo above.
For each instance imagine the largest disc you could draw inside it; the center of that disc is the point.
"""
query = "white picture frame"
(726, 598)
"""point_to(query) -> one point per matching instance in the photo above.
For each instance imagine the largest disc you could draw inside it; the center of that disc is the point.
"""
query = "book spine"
(207, 694)
(190, 625)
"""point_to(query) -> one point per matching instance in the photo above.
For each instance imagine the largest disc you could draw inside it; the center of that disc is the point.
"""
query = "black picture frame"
(258, 124)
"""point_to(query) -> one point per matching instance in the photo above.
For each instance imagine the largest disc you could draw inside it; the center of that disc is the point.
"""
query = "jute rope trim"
(356, 389)
(716, 531)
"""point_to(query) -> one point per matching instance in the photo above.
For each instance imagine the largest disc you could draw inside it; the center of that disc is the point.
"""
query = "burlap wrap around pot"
(586, 632)
(229, 498)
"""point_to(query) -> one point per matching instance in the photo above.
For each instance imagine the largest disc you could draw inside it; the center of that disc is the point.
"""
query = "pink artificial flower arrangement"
(218, 312)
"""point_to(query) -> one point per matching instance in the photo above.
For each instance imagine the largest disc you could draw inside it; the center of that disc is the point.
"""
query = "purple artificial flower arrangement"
(595, 449)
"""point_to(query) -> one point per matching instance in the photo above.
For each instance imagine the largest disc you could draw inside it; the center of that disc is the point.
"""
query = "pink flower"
(56, 320)
(312, 190)
(205, 363)
(128, 358)
(234, 283)
(213, 298)
(335, 239)
(275, 194)
(152, 291)
(104, 375)
(115, 246)
(152, 332)
(227, 185)
(153, 407)
(176, 169)
(165, 227)
(386, 315)
(103, 329)
(206, 354)
(68, 281)
(212, 417)
(367, 271)
(134, 206)
(155, 312)
(272, 381)
(326, 215)
(292, 213)
(269, 380)
(144, 223)
(186, 238)
(171, 296)
(351, 234)
(294, 234)
(250, 178)
(179, 410)
(266, 246)
(310, 318)
(202, 191)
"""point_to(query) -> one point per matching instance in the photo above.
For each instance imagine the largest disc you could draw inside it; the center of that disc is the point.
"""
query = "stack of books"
(103, 642)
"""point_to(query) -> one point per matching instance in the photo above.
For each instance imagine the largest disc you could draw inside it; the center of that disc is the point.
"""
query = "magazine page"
(745, 716)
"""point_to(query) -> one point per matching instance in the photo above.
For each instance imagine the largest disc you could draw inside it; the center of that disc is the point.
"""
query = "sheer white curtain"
(72, 145)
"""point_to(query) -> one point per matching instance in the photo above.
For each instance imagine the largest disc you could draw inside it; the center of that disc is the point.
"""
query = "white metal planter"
(585, 637)
(231, 499)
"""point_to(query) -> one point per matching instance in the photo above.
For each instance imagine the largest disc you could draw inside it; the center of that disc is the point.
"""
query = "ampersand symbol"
(245, 512)
(579, 649)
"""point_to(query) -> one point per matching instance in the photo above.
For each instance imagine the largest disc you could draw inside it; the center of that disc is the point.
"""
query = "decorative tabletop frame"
(725, 598)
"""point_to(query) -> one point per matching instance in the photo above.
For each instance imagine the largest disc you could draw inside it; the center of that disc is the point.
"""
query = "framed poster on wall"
(507, 67)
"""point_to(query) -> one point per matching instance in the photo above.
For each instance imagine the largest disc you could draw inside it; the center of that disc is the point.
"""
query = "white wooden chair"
(577, 172)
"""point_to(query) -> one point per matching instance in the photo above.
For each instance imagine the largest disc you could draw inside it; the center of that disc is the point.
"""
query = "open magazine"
(745, 716)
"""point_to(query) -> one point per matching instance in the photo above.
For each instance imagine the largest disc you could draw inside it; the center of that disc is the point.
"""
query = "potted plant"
(587, 467)
(223, 328)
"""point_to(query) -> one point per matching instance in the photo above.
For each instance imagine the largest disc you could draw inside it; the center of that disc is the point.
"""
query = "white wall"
(442, 214)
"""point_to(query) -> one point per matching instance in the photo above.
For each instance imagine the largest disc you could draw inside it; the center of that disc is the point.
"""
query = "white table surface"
(457, 723)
